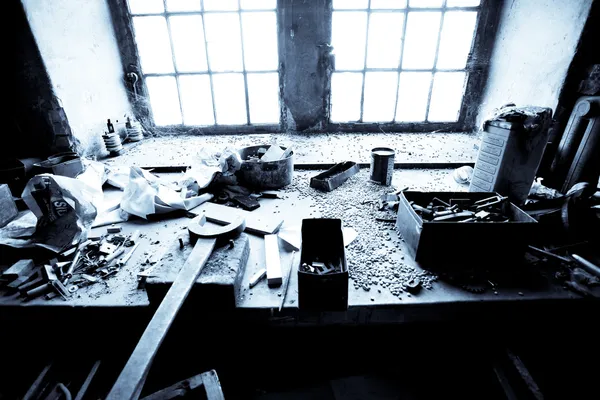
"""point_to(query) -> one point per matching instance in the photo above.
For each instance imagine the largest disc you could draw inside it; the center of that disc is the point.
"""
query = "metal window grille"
(200, 66)
(424, 67)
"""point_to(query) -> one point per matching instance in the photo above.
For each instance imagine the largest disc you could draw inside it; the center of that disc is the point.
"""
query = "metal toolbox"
(322, 240)
(450, 245)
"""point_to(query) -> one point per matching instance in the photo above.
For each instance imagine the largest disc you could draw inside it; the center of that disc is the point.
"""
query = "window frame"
(125, 34)
(477, 70)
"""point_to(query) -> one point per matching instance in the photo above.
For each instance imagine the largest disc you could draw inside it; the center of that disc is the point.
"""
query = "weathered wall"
(77, 44)
(30, 133)
(304, 31)
(536, 42)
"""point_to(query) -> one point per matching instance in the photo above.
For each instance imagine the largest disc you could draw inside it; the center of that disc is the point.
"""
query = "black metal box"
(322, 240)
(447, 245)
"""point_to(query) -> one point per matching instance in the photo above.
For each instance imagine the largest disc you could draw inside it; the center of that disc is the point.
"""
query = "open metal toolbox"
(441, 245)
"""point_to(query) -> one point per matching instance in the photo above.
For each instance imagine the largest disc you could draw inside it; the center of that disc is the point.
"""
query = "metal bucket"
(265, 175)
(382, 165)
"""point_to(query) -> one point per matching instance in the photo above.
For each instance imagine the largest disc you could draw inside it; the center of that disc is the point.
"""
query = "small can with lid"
(382, 165)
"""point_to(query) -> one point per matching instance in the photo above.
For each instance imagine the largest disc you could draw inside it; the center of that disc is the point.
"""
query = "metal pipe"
(587, 265)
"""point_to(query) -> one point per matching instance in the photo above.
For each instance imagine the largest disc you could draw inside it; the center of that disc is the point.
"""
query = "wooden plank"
(255, 222)
(20, 268)
(319, 166)
(209, 380)
(86, 384)
(37, 384)
(272, 261)
(131, 380)
(219, 283)
(212, 385)
(179, 389)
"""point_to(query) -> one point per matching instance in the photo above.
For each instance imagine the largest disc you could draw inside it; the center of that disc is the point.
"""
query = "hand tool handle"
(587, 265)
(131, 380)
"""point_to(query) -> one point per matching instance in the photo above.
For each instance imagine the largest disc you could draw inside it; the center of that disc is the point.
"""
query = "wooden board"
(257, 223)
(217, 286)
(130, 382)
(272, 261)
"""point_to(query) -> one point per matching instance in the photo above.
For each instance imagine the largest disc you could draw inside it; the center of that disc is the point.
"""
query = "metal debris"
(373, 256)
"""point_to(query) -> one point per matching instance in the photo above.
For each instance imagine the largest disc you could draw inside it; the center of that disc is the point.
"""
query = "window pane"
(446, 98)
(263, 95)
(413, 90)
(183, 5)
(462, 3)
(348, 36)
(421, 39)
(188, 43)
(260, 41)
(153, 44)
(146, 6)
(224, 43)
(258, 4)
(380, 96)
(230, 99)
(425, 3)
(196, 100)
(350, 4)
(457, 35)
(220, 5)
(346, 88)
(390, 4)
(164, 100)
(385, 32)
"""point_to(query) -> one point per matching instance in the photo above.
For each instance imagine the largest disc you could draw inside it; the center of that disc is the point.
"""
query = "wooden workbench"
(377, 304)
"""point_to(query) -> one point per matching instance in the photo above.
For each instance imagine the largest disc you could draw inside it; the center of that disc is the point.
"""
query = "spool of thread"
(134, 132)
(382, 165)
(112, 142)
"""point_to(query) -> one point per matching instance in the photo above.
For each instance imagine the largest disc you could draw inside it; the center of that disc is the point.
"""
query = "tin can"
(382, 165)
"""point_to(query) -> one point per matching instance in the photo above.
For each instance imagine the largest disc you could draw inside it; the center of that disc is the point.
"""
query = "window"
(400, 61)
(209, 62)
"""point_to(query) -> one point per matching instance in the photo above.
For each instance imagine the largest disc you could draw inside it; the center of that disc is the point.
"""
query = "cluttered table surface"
(380, 267)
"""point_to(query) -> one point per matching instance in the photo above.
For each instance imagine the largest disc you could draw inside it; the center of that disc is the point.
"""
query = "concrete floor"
(311, 148)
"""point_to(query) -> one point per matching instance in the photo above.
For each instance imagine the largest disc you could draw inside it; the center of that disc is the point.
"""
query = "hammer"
(130, 382)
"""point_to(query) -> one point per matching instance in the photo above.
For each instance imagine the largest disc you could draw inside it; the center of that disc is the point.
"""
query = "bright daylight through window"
(210, 62)
(399, 62)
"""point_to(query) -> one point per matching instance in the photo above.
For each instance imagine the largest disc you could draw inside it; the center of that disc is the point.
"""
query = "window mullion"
(364, 71)
(168, 20)
(435, 59)
(210, 75)
(244, 63)
(402, 39)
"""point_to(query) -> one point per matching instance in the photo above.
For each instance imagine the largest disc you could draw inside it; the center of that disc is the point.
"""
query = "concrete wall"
(536, 42)
(78, 46)
(304, 31)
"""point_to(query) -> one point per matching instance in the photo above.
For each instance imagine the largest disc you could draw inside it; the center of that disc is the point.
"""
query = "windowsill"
(312, 148)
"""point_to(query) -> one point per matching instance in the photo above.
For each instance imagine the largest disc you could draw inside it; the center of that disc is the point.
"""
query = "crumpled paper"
(145, 194)
(64, 208)
(207, 164)
(18, 232)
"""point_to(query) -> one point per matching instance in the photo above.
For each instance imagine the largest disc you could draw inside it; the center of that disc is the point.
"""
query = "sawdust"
(309, 148)
(374, 258)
